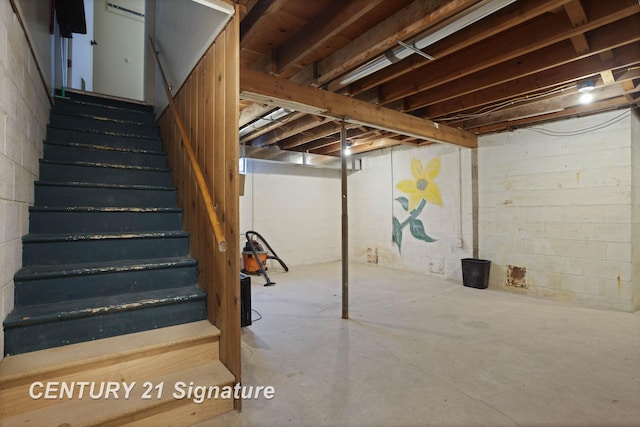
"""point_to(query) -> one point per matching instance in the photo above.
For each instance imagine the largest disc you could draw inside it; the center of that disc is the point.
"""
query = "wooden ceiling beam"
(552, 104)
(559, 115)
(603, 38)
(404, 24)
(270, 127)
(565, 74)
(607, 77)
(296, 127)
(578, 18)
(503, 20)
(259, 87)
(338, 16)
(525, 39)
(327, 140)
(319, 132)
(259, 11)
(378, 144)
(253, 112)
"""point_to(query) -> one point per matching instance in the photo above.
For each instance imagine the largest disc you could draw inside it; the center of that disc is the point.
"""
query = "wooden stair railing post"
(186, 142)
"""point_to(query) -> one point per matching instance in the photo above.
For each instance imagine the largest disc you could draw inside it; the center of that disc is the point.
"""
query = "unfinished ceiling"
(424, 71)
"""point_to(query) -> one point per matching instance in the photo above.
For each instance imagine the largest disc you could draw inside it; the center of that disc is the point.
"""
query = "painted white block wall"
(295, 208)
(24, 109)
(560, 206)
(372, 205)
(635, 159)
(565, 208)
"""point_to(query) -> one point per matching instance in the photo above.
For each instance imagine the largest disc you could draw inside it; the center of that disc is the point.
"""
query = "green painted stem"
(414, 214)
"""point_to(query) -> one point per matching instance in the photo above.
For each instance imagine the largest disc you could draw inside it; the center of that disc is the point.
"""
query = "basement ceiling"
(423, 71)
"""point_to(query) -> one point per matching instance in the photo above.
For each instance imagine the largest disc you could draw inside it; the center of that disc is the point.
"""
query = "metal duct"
(297, 158)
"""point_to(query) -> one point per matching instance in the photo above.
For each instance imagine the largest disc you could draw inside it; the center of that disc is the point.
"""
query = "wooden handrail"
(202, 185)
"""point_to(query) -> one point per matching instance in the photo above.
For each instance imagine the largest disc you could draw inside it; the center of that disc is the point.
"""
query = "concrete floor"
(419, 351)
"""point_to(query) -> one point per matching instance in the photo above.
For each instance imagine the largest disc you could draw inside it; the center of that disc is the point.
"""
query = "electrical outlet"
(458, 243)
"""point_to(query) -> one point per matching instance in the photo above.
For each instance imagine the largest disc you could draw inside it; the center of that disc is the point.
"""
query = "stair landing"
(157, 367)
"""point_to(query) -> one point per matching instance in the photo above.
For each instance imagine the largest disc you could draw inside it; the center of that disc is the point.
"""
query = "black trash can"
(245, 300)
(475, 272)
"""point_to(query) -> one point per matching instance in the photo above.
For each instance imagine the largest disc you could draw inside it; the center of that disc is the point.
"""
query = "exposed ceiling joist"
(620, 33)
(507, 18)
(320, 132)
(257, 86)
(334, 19)
(529, 38)
(293, 128)
(404, 24)
(578, 18)
(519, 89)
(499, 65)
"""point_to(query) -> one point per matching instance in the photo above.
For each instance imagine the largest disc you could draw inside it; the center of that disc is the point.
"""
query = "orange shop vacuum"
(254, 256)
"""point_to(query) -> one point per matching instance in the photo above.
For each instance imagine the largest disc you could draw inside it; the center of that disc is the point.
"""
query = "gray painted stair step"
(43, 284)
(53, 249)
(74, 152)
(115, 140)
(54, 171)
(41, 326)
(82, 194)
(110, 101)
(102, 219)
(95, 109)
(103, 124)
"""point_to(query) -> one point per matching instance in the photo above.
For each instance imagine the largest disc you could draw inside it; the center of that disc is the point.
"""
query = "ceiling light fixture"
(460, 21)
(586, 88)
(586, 98)
(347, 151)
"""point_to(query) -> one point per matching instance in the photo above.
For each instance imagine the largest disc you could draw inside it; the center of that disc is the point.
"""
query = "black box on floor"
(475, 272)
(245, 300)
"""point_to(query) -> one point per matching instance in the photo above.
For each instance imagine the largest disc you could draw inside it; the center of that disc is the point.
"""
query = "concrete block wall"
(296, 209)
(556, 200)
(635, 188)
(372, 206)
(24, 108)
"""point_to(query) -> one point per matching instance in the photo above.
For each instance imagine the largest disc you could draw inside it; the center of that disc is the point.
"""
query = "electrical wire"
(258, 313)
(595, 127)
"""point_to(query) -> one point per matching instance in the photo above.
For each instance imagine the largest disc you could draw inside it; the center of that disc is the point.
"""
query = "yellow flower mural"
(422, 185)
(421, 189)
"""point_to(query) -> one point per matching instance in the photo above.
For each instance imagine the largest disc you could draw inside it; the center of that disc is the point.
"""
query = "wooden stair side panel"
(137, 371)
(150, 361)
(138, 408)
(60, 361)
(185, 411)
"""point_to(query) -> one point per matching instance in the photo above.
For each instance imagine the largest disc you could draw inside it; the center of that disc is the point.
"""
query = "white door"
(118, 55)
(81, 54)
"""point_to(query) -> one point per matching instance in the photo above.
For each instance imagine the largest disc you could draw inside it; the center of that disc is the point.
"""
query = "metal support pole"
(345, 225)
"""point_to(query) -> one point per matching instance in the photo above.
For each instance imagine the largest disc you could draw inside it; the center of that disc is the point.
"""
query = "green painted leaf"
(397, 233)
(404, 202)
(417, 231)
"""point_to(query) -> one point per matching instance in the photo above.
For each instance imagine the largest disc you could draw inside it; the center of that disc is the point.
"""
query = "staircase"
(105, 257)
